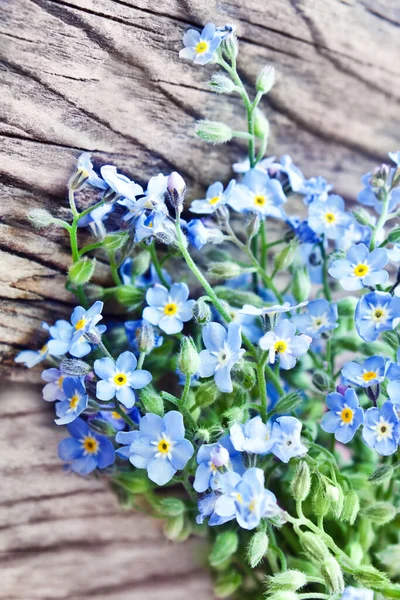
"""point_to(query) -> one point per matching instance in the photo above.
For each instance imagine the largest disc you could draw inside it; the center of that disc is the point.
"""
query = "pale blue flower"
(293, 173)
(199, 235)
(285, 440)
(344, 416)
(303, 232)
(370, 372)
(376, 312)
(85, 451)
(210, 458)
(258, 193)
(120, 184)
(159, 446)
(116, 420)
(315, 189)
(329, 217)
(215, 197)
(252, 436)
(53, 390)
(85, 170)
(169, 309)
(206, 507)
(31, 358)
(85, 321)
(360, 268)
(95, 219)
(321, 316)
(286, 307)
(201, 47)
(355, 234)
(371, 196)
(223, 350)
(148, 225)
(120, 378)
(283, 343)
(76, 401)
(382, 429)
(264, 165)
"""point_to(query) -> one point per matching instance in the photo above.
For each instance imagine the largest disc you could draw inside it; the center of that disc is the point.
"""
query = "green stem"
(71, 198)
(124, 416)
(114, 269)
(186, 390)
(90, 247)
(327, 291)
(382, 220)
(262, 387)
(142, 356)
(157, 265)
(264, 245)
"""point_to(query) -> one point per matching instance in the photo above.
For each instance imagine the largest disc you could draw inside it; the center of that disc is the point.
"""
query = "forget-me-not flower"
(252, 436)
(370, 372)
(169, 309)
(158, 446)
(370, 195)
(199, 235)
(320, 316)
(223, 350)
(85, 451)
(285, 440)
(31, 358)
(201, 47)
(116, 420)
(210, 457)
(361, 268)
(53, 390)
(376, 312)
(382, 429)
(285, 344)
(76, 400)
(133, 329)
(86, 173)
(95, 218)
(258, 193)
(329, 217)
(206, 506)
(215, 197)
(120, 378)
(120, 184)
(344, 416)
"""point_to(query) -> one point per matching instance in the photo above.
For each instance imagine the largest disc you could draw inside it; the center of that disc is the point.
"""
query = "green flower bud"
(381, 475)
(257, 548)
(380, 513)
(213, 132)
(288, 403)
(237, 297)
(261, 124)
(129, 295)
(355, 552)
(362, 216)
(202, 436)
(285, 257)
(321, 381)
(245, 374)
(320, 502)
(335, 496)
(225, 270)
(188, 358)
(252, 225)
(265, 79)
(141, 263)
(115, 241)
(366, 534)
(221, 84)
(370, 577)
(390, 558)
(301, 482)
(151, 402)
(224, 547)
(230, 46)
(226, 585)
(351, 507)
(82, 271)
(207, 393)
(290, 580)
(314, 546)
(40, 217)
(301, 286)
(333, 575)
(186, 531)
(102, 427)
(145, 337)
(133, 482)
(201, 312)
(171, 507)
(173, 527)
(236, 414)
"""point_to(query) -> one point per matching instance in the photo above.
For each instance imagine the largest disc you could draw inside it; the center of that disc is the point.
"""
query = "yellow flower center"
(60, 381)
(369, 376)
(170, 309)
(379, 314)
(239, 497)
(115, 415)
(361, 270)
(90, 445)
(73, 403)
(201, 47)
(346, 415)
(280, 346)
(215, 200)
(120, 379)
(163, 446)
(330, 217)
(43, 350)
(259, 200)
(80, 324)
(252, 506)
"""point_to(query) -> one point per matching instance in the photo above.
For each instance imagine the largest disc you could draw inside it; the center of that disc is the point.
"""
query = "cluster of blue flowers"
(227, 383)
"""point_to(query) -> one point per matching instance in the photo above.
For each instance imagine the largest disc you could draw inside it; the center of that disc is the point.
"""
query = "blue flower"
(206, 507)
(285, 439)
(156, 189)
(376, 312)
(201, 47)
(94, 220)
(252, 436)
(320, 317)
(53, 390)
(381, 429)
(355, 234)
(159, 446)
(151, 277)
(120, 184)
(329, 217)
(85, 321)
(223, 350)
(370, 372)
(245, 498)
(120, 378)
(352, 593)
(152, 224)
(344, 416)
(371, 196)
(315, 189)
(275, 309)
(86, 172)
(210, 458)
(258, 193)
(31, 358)
(168, 309)
(303, 231)
(85, 450)
(293, 173)
(199, 235)
(285, 344)
(131, 330)
(116, 420)
(76, 400)
(360, 268)
(215, 197)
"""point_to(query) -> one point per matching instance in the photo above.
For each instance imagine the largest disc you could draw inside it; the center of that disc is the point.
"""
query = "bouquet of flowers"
(239, 393)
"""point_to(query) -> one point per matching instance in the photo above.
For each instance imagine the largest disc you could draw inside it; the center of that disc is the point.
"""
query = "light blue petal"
(174, 427)
(104, 368)
(170, 325)
(157, 295)
(152, 315)
(126, 362)
(106, 455)
(179, 292)
(126, 396)
(78, 429)
(181, 453)
(223, 380)
(152, 426)
(143, 447)
(208, 364)
(84, 466)
(202, 479)
(69, 449)
(214, 336)
(160, 471)
(139, 379)
(105, 390)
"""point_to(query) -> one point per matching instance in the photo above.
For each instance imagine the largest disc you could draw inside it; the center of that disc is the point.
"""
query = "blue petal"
(78, 428)
(202, 479)
(69, 449)
(152, 426)
(106, 455)
(84, 466)
(181, 453)
(174, 427)
(214, 336)
(126, 362)
(126, 396)
(104, 368)
(139, 379)
(105, 390)
(160, 471)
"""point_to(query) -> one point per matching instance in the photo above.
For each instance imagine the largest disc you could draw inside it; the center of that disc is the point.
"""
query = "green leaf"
(81, 272)
(115, 241)
(288, 403)
(394, 235)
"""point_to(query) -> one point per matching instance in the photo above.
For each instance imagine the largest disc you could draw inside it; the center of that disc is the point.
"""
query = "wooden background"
(104, 76)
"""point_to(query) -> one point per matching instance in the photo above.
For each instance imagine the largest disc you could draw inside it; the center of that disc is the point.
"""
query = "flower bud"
(167, 235)
(336, 499)
(351, 507)
(382, 474)
(176, 187)
(134, 482)
(82, 271)
(227, 584)
(231, 46)
(285, 257)
(252, 225)
(40, 217)
(394, 235)
(370, 577)
(380, 176)
(333, 575)
(102, 427)
(141, 263)
(320, 502)
(224, 547)
(74, 367)
(93, 337)
(301, 481)
(284, 595)
(355, 552)
(380, 513)
(188, 358)
(265, 79)
(257, 548)
(213, 132)
(173, 527)
(261, 124)
(201, 312)
(151, 402)
(321, 381)
(245, 375)
(287, 580)
(301, 284)
(314, 546)
(202, 436)
(236, 414)
(145, 338)
(219, 456)
(362, 216)
(225, 270)
(206, 394)
(221, 84)
(346, 306)
(171, 507)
